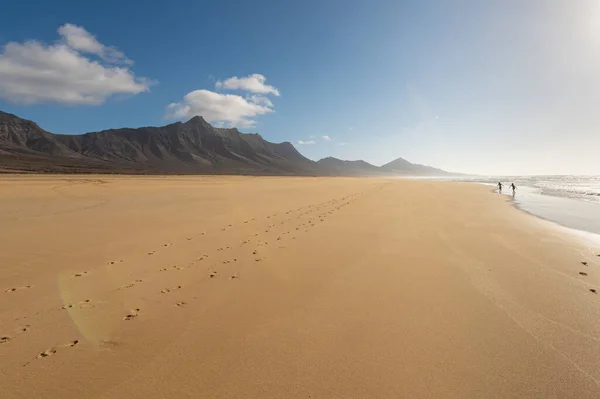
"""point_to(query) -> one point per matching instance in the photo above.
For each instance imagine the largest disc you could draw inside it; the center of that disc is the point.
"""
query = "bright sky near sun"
(489, 87)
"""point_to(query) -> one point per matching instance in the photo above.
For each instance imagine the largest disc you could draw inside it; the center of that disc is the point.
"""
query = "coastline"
(288, 287)
(573, 215)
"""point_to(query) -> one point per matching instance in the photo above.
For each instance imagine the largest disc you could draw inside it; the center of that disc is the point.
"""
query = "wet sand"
(249, 287)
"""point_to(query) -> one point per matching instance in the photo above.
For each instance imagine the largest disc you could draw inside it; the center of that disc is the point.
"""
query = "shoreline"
(569, 213)
(588, 236)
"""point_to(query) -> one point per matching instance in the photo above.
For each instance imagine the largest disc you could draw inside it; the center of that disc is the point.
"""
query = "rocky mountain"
(338, 167)
(401, 167)
(191, 147)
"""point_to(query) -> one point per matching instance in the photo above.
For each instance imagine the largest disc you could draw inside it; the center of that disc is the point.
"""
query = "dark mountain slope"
(338, 167)
(401, 167)
(191, 147)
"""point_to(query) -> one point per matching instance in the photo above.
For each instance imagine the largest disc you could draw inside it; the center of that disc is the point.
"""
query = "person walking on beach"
(500, 187)
(513, 187)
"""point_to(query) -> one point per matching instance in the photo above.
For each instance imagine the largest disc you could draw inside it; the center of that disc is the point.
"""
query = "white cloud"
(309, 142)
(81, 40)
(254, 83)
(221, 109)
(258, 99)
(34, 72)
(227, 109)
(342, 144)
(326, 138)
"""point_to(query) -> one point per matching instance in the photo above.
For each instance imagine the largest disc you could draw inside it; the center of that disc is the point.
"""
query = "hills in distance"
(193, 147)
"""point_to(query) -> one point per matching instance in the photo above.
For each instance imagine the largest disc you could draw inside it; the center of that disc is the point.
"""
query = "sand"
(251, 287)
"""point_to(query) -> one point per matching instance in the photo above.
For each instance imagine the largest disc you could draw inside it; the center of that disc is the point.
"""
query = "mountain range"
(193, 147)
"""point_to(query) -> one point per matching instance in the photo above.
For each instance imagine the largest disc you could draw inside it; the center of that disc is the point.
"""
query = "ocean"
(572, 201)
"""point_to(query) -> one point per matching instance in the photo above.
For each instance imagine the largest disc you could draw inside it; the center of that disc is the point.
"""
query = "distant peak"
(7, 115)
(197, 120)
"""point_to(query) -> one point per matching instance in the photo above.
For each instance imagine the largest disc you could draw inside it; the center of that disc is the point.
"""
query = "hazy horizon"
(488, 88)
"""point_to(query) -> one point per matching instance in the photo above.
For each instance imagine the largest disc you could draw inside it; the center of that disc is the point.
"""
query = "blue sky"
(495, 86)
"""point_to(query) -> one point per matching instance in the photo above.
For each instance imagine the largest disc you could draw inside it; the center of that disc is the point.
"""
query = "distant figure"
(499, 187)
(513, 187)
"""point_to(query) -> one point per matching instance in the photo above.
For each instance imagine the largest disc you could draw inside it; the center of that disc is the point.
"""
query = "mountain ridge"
(192, 147)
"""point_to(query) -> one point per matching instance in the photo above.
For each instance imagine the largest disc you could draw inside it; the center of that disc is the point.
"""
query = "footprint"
(234, 276)
(181, 303)
(113, 262)
(167, 290)
(53, 350)
(131, 285)
(151, 253)
(593, 290)
(80, 274)
(583, 273)
(189, 238)
(584, 263)
(132, 315)
(9, 290)
(46, 353)
(6, 338)
(212, 275)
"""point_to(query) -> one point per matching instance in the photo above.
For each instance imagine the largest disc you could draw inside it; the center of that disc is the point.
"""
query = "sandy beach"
(274, 287)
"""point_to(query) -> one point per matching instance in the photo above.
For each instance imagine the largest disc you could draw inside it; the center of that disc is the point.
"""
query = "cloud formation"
(81, 40)
(227, 110)
(221, 109)
(326, 138)
(309, 142)
(34, 72)
(254, 83)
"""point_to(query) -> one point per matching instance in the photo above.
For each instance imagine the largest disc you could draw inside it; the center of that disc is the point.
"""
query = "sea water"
(572, 201)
